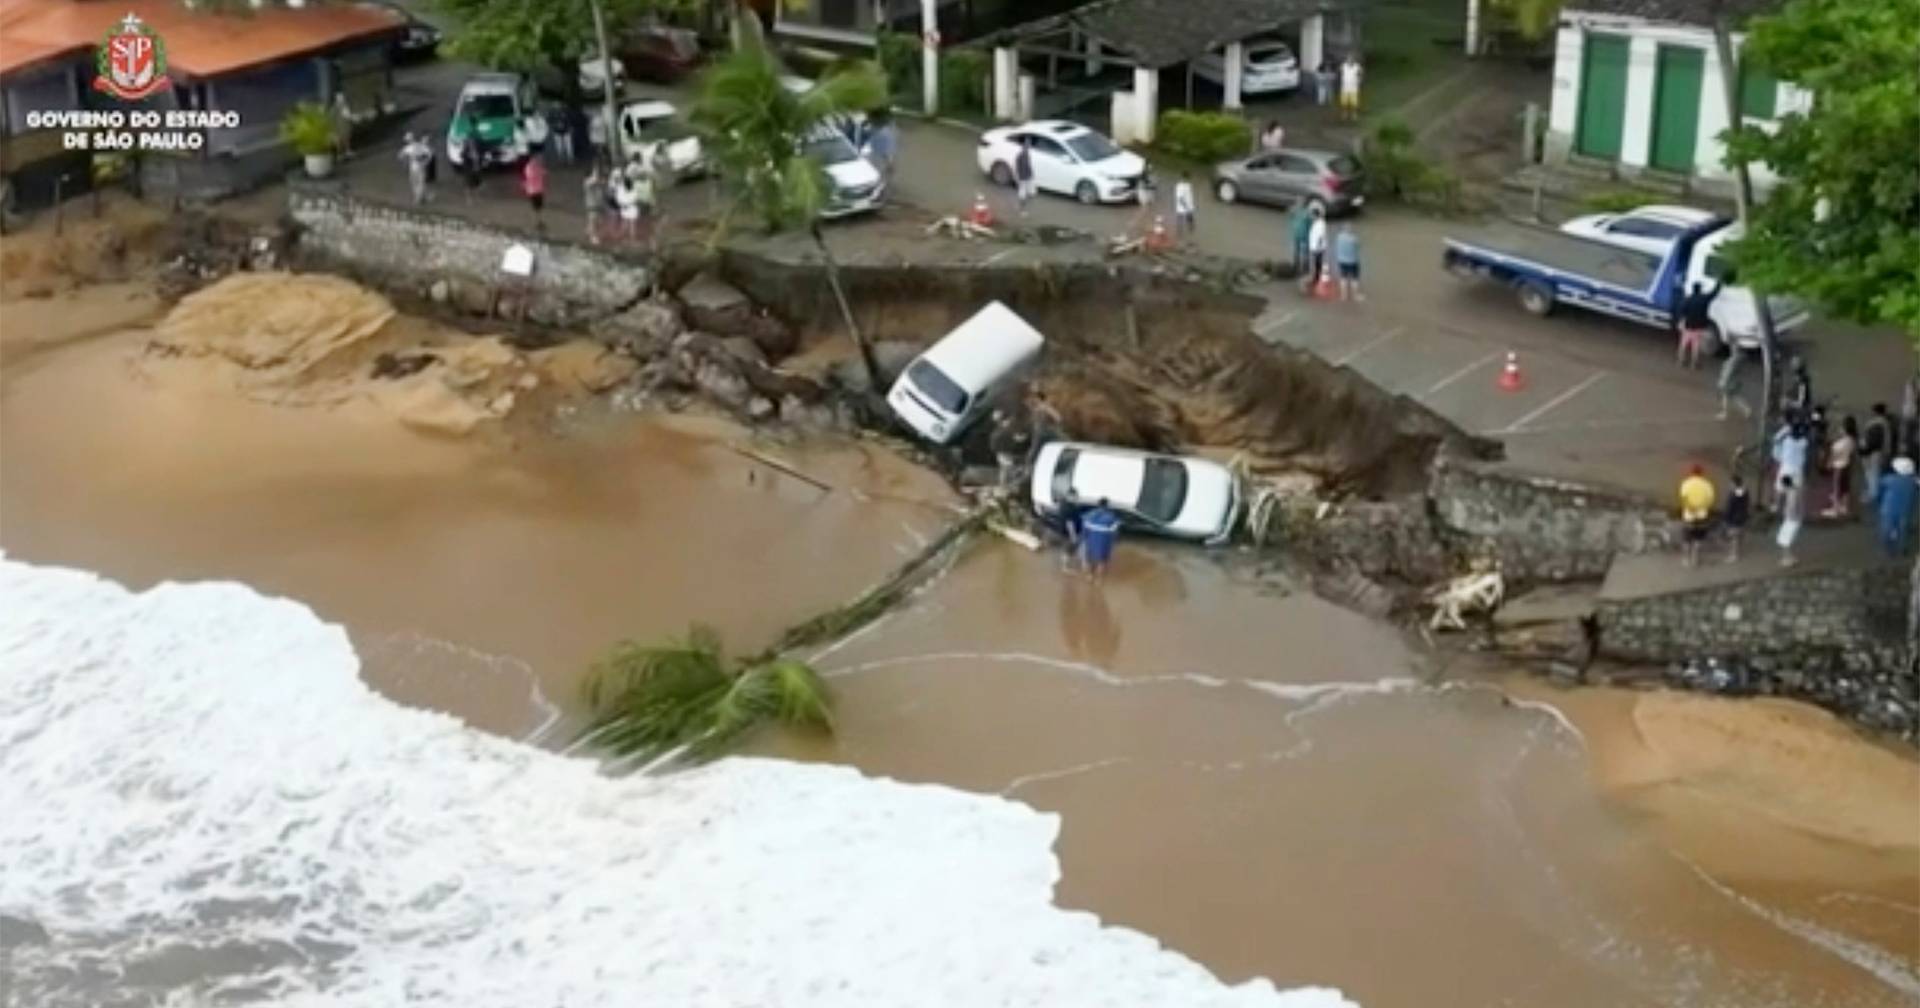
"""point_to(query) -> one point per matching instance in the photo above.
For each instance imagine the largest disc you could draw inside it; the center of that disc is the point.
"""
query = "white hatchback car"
(649, 127)
(1068, 158)
(1650, 228)
(1173, 495)
(1266, 67)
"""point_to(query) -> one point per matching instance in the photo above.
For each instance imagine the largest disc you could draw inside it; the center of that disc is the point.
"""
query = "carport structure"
(1148, 36)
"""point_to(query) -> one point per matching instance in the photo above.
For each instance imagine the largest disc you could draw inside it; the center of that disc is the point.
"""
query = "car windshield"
(488, 106)
(1163, 490)
(830, 148)
(935, 385)
(1344, 167)
(1270, 54)
(1063, 475)
(1091, 147)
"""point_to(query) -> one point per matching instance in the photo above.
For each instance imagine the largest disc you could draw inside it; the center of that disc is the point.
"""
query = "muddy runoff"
(1265, 781)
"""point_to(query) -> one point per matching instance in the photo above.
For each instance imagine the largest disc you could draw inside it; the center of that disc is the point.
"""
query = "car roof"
(1057, 127)
(979, 351)
(650, 108)
(1102, 471)
(490, 83)
(1677, 214)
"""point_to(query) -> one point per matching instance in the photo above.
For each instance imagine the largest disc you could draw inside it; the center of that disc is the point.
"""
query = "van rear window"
(935, 385)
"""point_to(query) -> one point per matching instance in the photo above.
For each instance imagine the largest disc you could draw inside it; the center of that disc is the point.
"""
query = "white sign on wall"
(518, 261)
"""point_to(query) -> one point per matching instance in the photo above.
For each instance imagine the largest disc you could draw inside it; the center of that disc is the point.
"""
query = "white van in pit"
(945, 388)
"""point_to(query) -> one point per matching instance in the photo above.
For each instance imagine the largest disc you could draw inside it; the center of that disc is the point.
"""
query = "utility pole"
(609, 107)
(930, 55)
(1743, 200)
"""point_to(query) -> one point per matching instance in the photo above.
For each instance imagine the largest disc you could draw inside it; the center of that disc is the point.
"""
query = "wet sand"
(1260, 780)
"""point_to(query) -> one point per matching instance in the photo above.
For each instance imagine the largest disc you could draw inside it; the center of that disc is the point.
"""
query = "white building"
(1637, 86)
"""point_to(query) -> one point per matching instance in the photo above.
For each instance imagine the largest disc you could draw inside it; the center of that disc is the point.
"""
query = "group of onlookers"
(1846, 470)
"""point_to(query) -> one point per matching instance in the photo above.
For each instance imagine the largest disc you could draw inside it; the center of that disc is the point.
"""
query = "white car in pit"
(1171, 495)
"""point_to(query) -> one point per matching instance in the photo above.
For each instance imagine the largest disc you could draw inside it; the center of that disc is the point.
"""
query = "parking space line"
(1552, 404)
(1265, 327)
(997, 256)
(1384, 337)
(1462, 373)
(1622, 423)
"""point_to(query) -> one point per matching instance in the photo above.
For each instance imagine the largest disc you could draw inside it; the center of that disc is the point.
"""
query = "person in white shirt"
(1350, 87)
(416, 155)
(1183, 221)
(1317, 247)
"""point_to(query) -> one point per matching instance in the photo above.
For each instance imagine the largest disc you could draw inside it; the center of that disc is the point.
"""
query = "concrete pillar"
(1236, 57)
(1146, 98)
(930, 56)
(1313, 42)
(1643, 52)
(1094, 63)
(1473, 27)
(1023, 109)
(1006, 70)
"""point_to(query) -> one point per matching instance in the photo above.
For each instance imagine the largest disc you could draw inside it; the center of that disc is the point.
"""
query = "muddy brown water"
(1254, 777)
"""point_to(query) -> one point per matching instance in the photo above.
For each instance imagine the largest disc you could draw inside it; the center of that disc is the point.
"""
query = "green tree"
(1533, 19)
(1842, 227)
(651, 701)
(756, 131)
(527, 36)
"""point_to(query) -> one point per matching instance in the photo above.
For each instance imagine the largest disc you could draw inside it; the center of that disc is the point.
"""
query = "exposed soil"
(1145, 362)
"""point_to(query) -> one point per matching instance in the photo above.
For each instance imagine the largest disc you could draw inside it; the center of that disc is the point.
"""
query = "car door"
(1054, 169)
(1294, 178)
(1258, 183)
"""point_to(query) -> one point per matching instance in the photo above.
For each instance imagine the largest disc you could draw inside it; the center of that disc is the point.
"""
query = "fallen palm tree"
(690, 698)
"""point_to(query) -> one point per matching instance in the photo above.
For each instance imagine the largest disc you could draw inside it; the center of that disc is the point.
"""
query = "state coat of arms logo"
(132, 61)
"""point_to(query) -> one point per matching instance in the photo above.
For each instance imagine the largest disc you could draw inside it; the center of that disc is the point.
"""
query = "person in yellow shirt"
(1696, 512)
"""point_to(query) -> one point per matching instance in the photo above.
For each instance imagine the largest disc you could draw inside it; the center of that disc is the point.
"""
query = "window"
(43, 92)
(1063, 476)
(1642, 227)
(1293, 164)
(935, 385)
(1163, 490)
(1092, 147)
(1042, 145)
(1758, 91)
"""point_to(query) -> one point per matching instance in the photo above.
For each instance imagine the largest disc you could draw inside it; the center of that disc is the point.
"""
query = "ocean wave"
(205, 804)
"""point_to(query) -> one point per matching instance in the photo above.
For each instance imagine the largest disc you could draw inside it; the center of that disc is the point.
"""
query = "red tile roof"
(197, 43)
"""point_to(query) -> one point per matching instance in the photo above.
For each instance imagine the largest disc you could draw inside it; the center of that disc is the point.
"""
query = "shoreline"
(427, 479)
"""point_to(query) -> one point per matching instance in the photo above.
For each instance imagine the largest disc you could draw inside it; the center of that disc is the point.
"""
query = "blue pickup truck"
(1548, 268)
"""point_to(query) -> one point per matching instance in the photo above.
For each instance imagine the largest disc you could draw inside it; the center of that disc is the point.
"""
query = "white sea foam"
(200, 802)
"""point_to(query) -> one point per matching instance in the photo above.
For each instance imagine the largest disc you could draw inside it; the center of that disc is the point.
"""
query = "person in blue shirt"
(1099, 530)
(1897, 491)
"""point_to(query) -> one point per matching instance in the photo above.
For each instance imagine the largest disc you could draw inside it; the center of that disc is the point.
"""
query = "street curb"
(958, 124)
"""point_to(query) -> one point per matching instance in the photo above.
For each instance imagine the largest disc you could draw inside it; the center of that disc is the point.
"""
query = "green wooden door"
(1676, 107)
(1603, 97)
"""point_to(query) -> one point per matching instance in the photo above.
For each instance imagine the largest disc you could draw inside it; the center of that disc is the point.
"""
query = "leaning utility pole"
(930, 55)
(1743, 200)
(609, 108)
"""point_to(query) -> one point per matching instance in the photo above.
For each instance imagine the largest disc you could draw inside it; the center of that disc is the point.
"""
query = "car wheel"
(1227, 191)
(1086, 193)
(1536, 297)
(1001, 174)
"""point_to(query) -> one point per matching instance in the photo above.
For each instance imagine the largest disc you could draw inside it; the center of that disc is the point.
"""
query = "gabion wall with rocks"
(415, 255)
(1835, 637)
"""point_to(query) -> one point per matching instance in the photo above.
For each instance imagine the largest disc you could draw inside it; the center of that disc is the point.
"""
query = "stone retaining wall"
(1857, 615)
(1538, 530)
(416, 255)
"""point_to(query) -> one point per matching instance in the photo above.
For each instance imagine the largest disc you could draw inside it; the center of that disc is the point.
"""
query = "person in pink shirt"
(533, 183)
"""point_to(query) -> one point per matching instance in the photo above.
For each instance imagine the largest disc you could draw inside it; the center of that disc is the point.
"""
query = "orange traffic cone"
(1510, 379)
(1158, 240)
(1325, 289)
(980, 215)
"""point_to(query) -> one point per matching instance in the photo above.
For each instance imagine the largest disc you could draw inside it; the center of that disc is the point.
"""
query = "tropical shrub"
(1396, 171)
(963, 80)
(308, 129)
(1203, 136)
